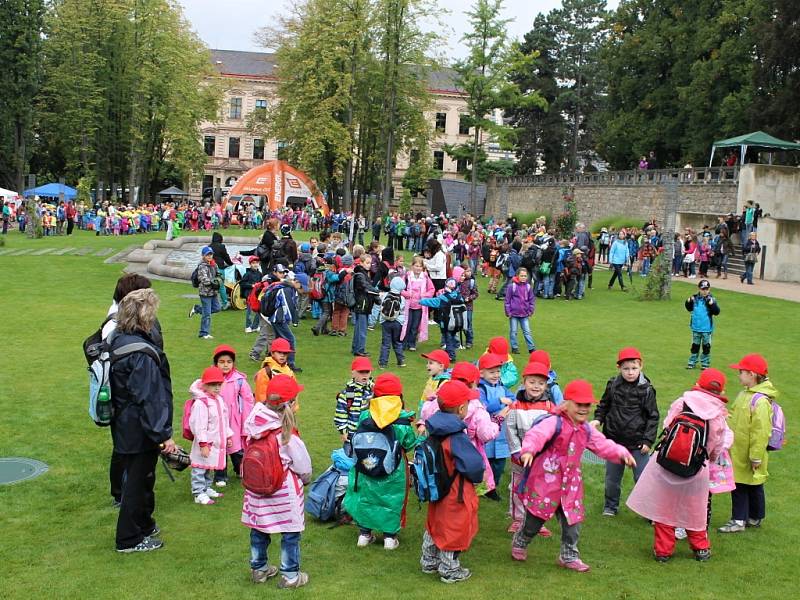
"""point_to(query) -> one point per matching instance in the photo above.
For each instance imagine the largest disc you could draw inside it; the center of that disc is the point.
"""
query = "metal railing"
(689, 176)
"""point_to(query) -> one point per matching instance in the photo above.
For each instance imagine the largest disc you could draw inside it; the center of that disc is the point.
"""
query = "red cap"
(280, 345)
(284, 386)
(752, 362)
(361, 363)
(253, 259)
(455, 393)
(212, 375)
(540, 356)
(490, 361)
(439, 356)
(387, 384)
(536, 368)
(628, 354)
(580, 391)
(712, 380)
(498, 345)
(466, 372)
(223, 349)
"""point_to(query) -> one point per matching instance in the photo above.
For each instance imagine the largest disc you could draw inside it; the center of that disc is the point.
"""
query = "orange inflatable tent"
(281, 184)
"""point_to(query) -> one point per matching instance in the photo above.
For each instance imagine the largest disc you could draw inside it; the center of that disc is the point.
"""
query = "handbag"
(751, 257)
(688, 258)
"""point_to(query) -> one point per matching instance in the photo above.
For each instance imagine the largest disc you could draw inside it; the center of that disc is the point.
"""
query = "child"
(437, 365)
(251, 277)
(392, 312)
(509, 374)
(208, 292)
(212, 434)
(551, 453)
(542, 356)
(354, 398)
(751, 422)
(671, 501)
(283, 511)
(520, 303)
(418, 286)
(532, 402)
(448, 297)
(469, 292)
(628, 413)
(274, 364)
(238, 399)
(379, 503)
(496, 398)
(452, 521)
(704, 308)
(282, 309)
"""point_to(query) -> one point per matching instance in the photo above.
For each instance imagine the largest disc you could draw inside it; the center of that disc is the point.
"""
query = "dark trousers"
(116, 474)
(70, 225)
(412, 329)
(324, 317)
(236, 463)
(748, 502)
(617, 274)
(135, 519)
(390, 340)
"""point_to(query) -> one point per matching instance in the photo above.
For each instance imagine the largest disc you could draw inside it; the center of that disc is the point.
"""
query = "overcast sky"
(230, 24)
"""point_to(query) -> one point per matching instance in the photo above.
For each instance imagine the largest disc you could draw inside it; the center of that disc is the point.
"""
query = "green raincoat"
(751, 430)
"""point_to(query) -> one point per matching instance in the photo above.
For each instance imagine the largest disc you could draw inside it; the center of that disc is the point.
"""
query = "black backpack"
(196, 278)
(278, 253)
(682, 448)
(269, 302)
(390, 307)
(531, 259)
(454, 321)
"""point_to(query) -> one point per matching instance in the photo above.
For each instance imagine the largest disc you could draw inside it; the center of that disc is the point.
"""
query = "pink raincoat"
(555, 477)
(416, 289)
(283, 511)
(209, 424)
(238, 397)
(681, 501)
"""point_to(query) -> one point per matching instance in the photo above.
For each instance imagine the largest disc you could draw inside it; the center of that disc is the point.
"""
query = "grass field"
(58, 530)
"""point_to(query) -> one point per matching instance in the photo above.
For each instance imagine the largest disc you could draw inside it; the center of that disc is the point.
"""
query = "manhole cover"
(14, 470)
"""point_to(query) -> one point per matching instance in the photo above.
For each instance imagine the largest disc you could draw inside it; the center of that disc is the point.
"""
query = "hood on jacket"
(385, 410)
(197, 391)
(216, 238)
(766, 388)
(703, 404)
(444, 424)
(261, 413)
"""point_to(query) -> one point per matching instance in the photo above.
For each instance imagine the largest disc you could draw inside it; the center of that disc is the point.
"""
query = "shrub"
(565, 222)
(529, 218)
(658, 283)
(616, 221)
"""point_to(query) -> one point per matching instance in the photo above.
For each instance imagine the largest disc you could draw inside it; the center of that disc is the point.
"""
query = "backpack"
(262, 469)
(325, 495)
(390, 307)
(377, 451)
(268, 302)
(186, 430)
(432, 482)
(345, 292)
(195, 278)
(454, 321)
(316, 290)
(254, 297)
(682, 449)
(531, 259)
(278, 252)
(778, 433)
(502, 262)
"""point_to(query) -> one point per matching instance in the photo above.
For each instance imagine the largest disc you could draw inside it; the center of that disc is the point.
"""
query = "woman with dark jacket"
(751, 250)
(141, 426)
(365, 294)
(264, 249)
(221, 256)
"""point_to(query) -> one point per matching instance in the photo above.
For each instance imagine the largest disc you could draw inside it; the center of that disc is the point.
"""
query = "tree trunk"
(473, 184)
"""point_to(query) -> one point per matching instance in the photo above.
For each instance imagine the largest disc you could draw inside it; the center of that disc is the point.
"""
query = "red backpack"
(316, 290)
(187, 413)
(682, 449)
(262, 469)
(254, 297)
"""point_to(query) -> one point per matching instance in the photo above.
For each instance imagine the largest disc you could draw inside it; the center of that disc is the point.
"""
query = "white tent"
(10, 195)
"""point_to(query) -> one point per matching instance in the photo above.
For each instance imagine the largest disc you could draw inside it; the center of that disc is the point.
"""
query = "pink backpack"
(187, 413)
(778, 434)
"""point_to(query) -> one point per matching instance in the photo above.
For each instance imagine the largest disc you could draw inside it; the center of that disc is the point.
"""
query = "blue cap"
(305, 247)
(206, 250)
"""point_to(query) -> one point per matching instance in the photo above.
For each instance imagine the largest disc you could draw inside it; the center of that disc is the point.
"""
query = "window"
(233, 147)
(441, 122)
(261, 104)
(283, 150)
(236, 108)
(461, 165)
(209, 143)
(258, 148)
(438, 160)
(463, 125)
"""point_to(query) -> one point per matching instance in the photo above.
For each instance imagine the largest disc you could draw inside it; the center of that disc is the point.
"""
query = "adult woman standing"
(436, 265)
(264, 249)
(618, 257)
(141, 393)
(751, 250)
(723, 249)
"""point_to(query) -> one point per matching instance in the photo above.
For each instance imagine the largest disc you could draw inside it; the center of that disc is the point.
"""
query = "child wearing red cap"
(496, 398)
(281, 512)
(275, 364)
(437, 365)
(751, 422)
(378, 503)
(354, 398)
(238, 398)
(553, 484)
(208, 422)
(670, 500)
(509, 374)
(542, 356)
(628, 414)
(452, 521)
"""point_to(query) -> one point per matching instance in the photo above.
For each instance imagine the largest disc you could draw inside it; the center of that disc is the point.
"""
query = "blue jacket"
(331, 280)
(703, 312)
(619, 253)
(491, 399)
(443, 301)
(561, 256)
(514, 261)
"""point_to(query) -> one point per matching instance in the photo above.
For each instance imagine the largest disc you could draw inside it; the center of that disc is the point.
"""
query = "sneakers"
(365, 540)
(456, 576)
(493, 495)
(607, 512)
(680, 533)
(412, 349)
(299, 581)
(545, 532)
(146, 545)
(391, 543)
(212, 493)
(153, 532)
(515, 351)
(315, 331)
(192, 312)
(520, 554)
(702, 555)
(220, 483)
(430, 571)
(401, 365)
(248, 330)
(203, 499)
(255, 358)
(207, 337)
(514, 527)
(690, 367)
(259, 576)
(753, 523)
(732, 526)
(574, 565)
(661, 559)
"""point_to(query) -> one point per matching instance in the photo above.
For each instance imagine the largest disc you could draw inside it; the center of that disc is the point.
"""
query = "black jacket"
(221, 256)
(249, 279)
(628, 412)
(364, 291)
(141, 395)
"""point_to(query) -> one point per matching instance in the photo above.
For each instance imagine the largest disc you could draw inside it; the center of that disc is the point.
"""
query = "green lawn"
(58, 531)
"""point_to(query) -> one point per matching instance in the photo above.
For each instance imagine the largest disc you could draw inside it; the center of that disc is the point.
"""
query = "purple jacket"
(520, 299)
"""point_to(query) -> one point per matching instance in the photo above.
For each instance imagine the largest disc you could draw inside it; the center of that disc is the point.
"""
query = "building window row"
(441, 123)
(234, 147)
(235, 107)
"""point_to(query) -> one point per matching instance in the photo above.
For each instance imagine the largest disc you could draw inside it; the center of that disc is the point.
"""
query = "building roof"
(262, 65)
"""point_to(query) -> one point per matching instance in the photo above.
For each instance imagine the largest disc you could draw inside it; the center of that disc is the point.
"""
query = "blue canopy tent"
(52, 190)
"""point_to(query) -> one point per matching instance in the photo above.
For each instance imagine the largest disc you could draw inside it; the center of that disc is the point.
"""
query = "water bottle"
(104, 405)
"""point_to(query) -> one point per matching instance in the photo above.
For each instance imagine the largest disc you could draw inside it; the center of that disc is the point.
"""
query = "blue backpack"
(432, 482)
(324, 498)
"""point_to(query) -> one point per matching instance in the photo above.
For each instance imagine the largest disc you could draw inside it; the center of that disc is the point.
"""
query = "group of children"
(475, 421)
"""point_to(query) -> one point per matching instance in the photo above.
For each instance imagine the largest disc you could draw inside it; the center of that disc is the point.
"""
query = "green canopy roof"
(757, 138)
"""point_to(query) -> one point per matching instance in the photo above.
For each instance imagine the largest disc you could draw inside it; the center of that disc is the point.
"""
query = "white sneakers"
(203, 499)
(248, 330)
(390, 543)
(221, 483)
(207, 337)
(212, 493)
(365, 540)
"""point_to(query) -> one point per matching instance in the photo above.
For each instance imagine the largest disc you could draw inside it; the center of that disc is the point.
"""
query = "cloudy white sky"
(230, 24)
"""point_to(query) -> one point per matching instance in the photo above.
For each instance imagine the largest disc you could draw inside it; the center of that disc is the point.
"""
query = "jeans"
(324, 317)
(473, 263)
(284, 330)
(135, 518)
(290, 552)
(614, 473)
(201, 480)
(251, 318)
(223, 295)
(359, 345)
(412, 329)
(374, 315)
(450, 340)
(521, 322)
(469, 334)
(391, 340)
(569, 535)
(645, 268)
(208, 306)
(748, 272)
(748, 502)
(236, 463)
(722, 264)
(501, 293)
(581, 285)
(549, 285)
(617, 274)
